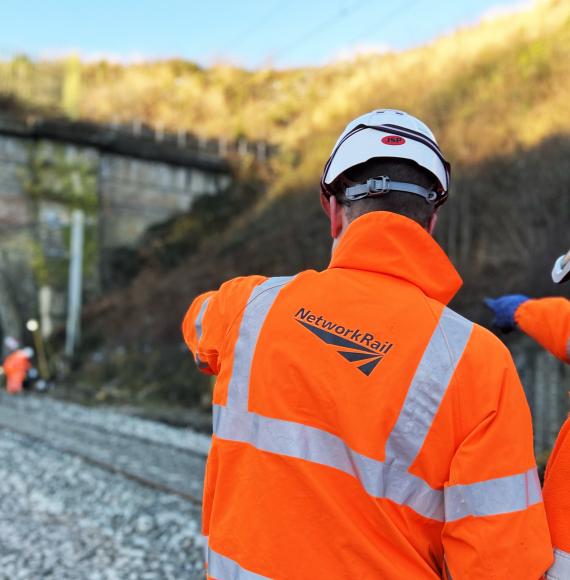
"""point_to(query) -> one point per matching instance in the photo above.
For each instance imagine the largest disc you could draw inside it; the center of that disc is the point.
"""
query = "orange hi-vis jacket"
(547, 320)
(361, 428)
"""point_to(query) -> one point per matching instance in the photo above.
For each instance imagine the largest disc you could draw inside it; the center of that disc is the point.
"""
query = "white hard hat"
(28, 352)
(561, 270)
(387, 133)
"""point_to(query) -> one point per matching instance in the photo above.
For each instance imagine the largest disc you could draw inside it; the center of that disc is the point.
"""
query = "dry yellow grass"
(486, 90)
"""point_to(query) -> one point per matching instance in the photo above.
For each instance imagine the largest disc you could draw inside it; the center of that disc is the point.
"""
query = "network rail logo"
(362, 349)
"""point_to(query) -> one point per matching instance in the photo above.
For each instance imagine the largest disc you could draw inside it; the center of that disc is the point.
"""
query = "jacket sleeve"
(495, 522)
(209, 318)
(547, 320)
(557, 502)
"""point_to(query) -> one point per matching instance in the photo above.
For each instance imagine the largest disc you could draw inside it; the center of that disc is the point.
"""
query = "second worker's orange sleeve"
(557, 490)
(495, 518)
(209, 318)
(547, 320)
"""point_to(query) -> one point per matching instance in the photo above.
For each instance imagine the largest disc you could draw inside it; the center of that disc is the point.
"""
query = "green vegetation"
(53, 179)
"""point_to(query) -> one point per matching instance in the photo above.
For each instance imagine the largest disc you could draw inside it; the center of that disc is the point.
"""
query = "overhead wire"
(394, 13)
(322, 26)
(247, 33)
(343, 13)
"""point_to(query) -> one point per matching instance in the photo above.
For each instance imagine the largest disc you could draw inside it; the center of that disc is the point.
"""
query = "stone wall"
(17, 285)
(134, 192)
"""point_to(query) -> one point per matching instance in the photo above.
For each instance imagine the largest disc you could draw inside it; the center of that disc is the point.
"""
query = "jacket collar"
(391, 244)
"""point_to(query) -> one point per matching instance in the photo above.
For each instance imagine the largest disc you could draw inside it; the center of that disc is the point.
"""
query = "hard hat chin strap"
(377, 186)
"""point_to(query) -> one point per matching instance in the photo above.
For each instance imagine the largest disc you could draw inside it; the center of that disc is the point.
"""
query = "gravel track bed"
(64, 519)
(169, 467)
(109, 420)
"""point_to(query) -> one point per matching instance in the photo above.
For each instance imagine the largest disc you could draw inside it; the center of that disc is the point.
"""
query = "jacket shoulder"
(242, 283)
(485, 342)
(481, 340)
(485, 366)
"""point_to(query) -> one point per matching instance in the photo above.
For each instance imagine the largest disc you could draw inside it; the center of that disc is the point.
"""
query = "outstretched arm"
(557, 503)
(547, 320)
(210, 318)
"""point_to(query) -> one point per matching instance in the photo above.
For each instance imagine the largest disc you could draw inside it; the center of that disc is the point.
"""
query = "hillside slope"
(496, 96)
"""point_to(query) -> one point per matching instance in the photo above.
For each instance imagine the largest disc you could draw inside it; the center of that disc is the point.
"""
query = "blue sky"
(251, 33)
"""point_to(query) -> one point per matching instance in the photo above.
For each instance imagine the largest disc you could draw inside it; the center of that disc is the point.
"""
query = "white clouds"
(350, 53)
(95, 56)
(506, 8)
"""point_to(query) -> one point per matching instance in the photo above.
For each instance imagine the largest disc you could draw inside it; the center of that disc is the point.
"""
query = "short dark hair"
(406, 204)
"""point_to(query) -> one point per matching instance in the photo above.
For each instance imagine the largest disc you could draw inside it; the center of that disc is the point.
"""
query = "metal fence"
(546, 382)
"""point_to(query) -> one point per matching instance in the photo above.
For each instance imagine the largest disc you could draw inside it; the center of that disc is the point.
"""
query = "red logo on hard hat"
(393, 140)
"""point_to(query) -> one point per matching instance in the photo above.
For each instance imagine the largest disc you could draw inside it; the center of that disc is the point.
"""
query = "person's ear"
(432, 223)
(335, 214)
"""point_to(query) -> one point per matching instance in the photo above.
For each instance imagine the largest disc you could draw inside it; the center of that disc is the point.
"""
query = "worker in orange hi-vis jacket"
(547, 320)
(16, 367)
(362, 429)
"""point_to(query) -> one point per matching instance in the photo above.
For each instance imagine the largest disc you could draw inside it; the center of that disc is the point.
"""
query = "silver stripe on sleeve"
(428, 387)
(198, 326)
(493, 497)
(260, 302)
(199, 318)
(223, 568)
(560, 570)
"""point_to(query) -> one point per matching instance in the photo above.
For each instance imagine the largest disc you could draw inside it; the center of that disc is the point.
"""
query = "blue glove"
(504, 309)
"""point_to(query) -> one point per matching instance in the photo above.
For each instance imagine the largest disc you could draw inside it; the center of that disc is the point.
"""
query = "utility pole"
(101, 223)
(75, 280)
(34, 327)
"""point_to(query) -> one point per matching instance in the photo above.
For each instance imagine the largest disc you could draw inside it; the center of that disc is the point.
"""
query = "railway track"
(162, 466)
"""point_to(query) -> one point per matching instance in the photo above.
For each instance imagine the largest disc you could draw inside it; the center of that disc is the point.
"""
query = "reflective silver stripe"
(389, 479)
(222, 568)
(308, 443)
(560, 570)
(493, 497)
(428, 387)
(256, 310)
(198, 326)
(198, 323)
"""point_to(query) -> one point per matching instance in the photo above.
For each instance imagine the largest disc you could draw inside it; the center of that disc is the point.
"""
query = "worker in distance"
(362, 429)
